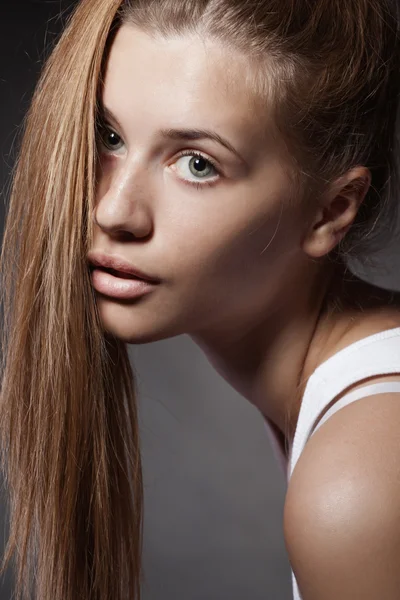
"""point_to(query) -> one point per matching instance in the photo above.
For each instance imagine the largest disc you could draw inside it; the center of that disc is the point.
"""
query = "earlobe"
(321, 240)
(329, 227)
(337, 213)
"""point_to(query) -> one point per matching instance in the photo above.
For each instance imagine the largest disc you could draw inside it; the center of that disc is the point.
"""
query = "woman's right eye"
(110, 139)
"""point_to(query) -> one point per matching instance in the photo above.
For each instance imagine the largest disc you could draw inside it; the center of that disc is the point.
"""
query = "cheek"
(228, 257)
(241, 230)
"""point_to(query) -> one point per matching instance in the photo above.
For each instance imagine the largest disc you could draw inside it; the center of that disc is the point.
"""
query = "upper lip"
(111, 261)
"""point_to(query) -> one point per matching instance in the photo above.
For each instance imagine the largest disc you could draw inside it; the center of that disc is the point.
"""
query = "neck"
(268, 359)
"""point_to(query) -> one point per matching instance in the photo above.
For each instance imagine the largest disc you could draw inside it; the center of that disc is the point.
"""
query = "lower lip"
(117, 287)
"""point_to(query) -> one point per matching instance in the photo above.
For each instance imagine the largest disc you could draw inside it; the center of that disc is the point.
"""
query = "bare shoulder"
(342, 509)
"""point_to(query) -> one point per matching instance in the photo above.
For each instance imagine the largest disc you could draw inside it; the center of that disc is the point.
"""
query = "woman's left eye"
(194, 168)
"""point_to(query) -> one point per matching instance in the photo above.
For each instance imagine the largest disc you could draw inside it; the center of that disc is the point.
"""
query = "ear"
(336, 212)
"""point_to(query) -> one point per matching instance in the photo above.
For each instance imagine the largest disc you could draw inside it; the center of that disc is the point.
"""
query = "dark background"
(28, 29)
(213, 490)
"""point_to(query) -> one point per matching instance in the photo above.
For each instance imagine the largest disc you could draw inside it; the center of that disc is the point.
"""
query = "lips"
(116, 273)
(118, 267)
(119, 285)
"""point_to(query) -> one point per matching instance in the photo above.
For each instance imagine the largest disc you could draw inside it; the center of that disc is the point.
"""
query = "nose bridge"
(123, 198)
(128, 182)
(129, 175)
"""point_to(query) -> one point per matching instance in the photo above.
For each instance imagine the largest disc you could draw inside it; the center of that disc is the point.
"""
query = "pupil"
(113, 139)
(200, 165)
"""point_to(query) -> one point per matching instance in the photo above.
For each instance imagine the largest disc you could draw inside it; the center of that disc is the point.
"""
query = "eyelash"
(106, 127)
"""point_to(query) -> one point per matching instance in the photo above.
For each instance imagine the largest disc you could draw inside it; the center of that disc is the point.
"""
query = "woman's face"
(211, 215)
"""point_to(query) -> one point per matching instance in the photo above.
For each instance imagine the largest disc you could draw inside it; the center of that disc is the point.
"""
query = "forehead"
(185, 79)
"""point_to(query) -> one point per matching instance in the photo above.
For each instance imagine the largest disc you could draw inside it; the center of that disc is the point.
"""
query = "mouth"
(117, 267)
(118, 284)
(115, 273)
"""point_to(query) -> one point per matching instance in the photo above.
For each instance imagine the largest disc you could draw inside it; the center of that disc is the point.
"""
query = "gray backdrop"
(213, 492)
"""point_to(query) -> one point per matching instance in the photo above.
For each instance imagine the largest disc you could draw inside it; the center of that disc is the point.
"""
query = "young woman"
(205, 167)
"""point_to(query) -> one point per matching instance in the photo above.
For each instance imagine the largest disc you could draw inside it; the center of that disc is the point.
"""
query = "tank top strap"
(377, 354)
(364, 392)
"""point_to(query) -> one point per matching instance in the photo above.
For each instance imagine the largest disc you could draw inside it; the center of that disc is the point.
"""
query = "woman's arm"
(342, 510)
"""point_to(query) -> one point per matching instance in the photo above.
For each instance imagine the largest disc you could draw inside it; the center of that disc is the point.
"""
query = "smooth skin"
(241, 262)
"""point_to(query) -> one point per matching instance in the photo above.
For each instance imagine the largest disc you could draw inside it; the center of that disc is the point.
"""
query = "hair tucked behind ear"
(69, 429)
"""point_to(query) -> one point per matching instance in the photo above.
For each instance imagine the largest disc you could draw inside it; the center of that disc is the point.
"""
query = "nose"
(121, 205)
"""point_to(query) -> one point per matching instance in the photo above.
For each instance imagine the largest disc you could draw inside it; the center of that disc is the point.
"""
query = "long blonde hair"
(68, 420)
(68, 416)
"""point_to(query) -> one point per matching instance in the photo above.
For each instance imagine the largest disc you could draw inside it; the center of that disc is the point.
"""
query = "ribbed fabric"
(377, 354)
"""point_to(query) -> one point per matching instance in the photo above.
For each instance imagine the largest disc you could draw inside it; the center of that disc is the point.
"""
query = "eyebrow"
(198, 134)
(181, 134)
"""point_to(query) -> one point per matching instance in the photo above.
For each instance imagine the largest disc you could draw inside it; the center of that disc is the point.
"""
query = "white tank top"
(377, 354)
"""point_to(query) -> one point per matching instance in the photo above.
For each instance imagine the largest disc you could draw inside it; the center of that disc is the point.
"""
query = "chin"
(133, 325)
